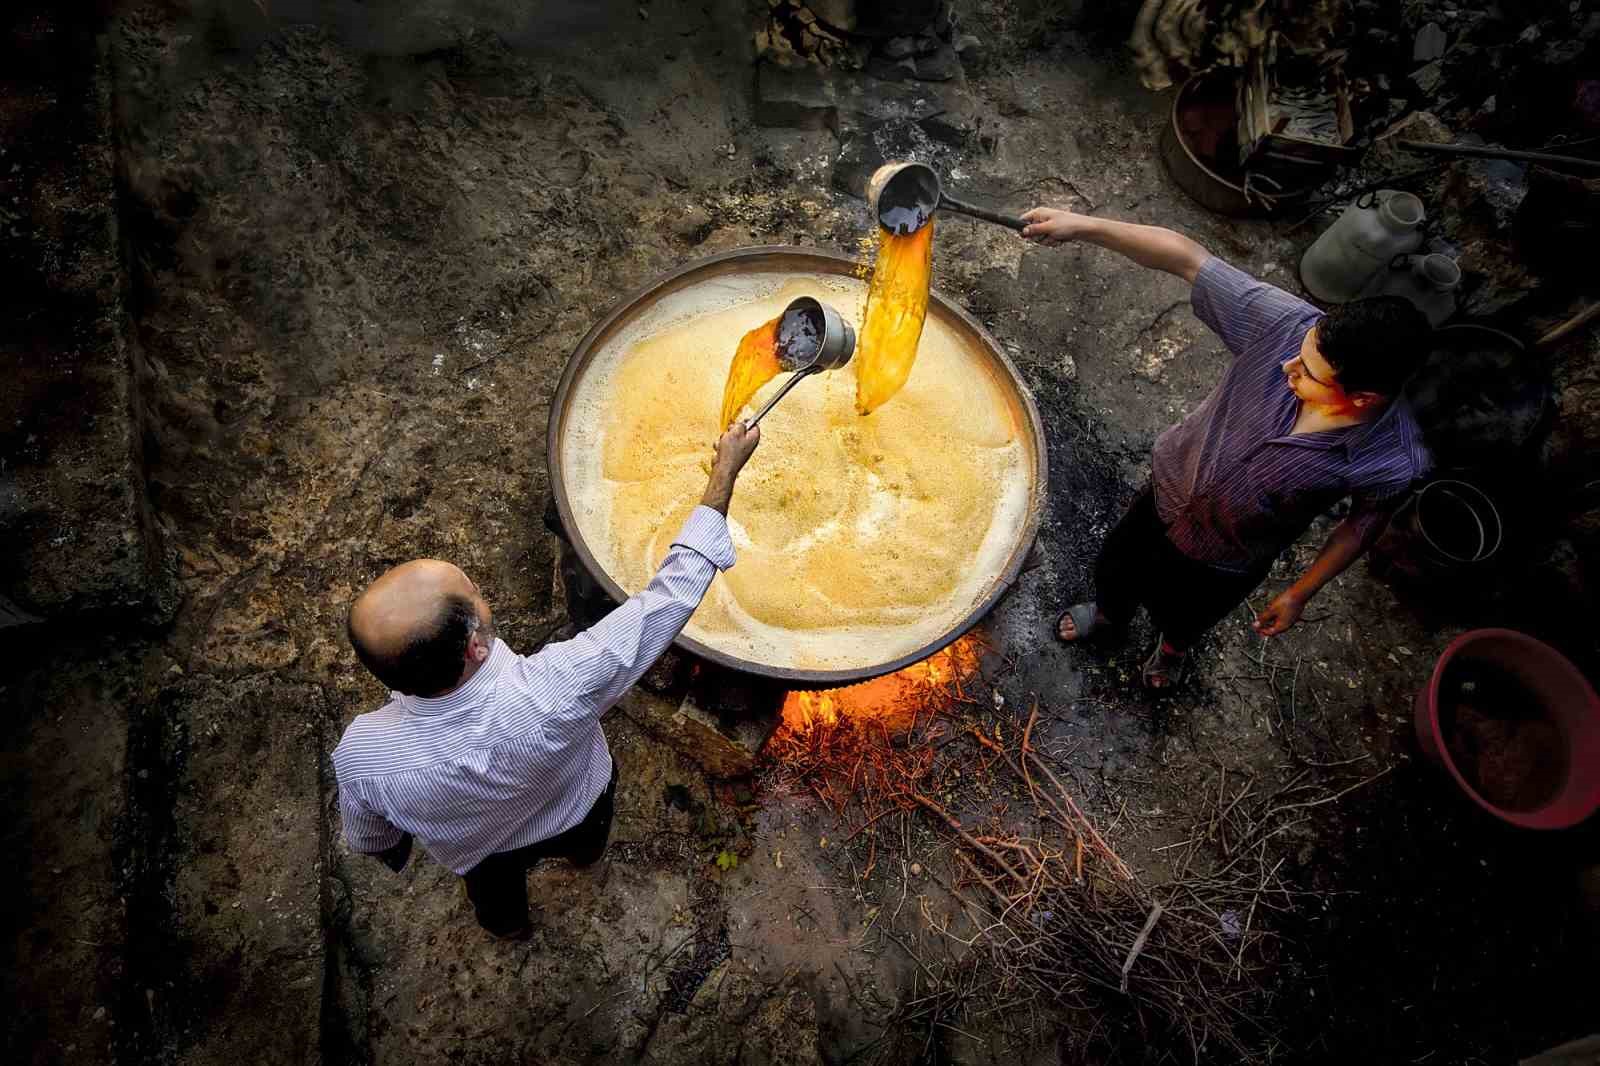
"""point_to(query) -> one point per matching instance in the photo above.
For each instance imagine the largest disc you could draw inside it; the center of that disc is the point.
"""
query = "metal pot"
(1207, 103)
(790, 260)
(1480, 398)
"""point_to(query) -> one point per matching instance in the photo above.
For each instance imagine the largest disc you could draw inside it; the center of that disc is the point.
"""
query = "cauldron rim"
(801, 260)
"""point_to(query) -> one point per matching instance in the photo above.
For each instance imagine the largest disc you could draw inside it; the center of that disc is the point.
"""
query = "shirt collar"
(477, 686)
(1348, 439)
(1360, 436)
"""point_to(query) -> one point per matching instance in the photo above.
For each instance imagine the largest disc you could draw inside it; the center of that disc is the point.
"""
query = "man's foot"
(1080, 622)
(1164, 668)
(522, 933)
(599, 871)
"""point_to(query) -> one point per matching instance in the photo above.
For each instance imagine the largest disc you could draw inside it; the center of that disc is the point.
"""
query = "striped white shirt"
(516, 755)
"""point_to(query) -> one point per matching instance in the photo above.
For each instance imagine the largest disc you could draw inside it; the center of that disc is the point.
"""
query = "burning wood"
(1053, 915)
(894, 699)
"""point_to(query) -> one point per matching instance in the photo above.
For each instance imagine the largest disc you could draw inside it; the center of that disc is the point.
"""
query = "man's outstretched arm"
(1149, 246)
(1344, 546)
(594, 668)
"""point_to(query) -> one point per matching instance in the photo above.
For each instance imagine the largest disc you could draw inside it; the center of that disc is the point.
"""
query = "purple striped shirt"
(1233, 486)
(516, 755)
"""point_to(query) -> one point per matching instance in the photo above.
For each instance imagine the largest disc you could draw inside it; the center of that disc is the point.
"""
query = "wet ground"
(358, 257)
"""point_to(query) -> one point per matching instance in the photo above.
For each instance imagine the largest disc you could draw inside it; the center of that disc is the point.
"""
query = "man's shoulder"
(364, 736)
(1399, 455)
(1250, 314)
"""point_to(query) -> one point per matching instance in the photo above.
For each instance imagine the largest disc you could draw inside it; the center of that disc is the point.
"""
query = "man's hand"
(1052, 226)
(1149, 246)
(734, 449)
(1282, 613)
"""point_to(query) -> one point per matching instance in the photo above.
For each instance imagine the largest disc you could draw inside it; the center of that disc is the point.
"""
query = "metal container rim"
(821, 261)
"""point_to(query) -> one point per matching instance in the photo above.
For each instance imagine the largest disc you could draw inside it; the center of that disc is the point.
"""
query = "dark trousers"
(498, 886)
(1139, 565)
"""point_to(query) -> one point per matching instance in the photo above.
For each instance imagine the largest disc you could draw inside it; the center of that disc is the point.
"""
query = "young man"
(1309, 411)
(493, 759)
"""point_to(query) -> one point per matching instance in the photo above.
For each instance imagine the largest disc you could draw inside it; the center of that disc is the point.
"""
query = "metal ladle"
(812, 337)
(904, 197)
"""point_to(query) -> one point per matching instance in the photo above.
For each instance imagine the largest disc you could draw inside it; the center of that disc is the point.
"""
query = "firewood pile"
(1048, 917)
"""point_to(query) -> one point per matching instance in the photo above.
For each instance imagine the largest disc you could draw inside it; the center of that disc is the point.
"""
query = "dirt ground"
(360, 251)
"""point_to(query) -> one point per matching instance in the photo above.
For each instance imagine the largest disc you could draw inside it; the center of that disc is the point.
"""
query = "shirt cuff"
(1216, 281)
(706, 531)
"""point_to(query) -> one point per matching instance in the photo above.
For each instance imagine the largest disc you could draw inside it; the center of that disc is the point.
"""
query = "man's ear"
(477, 648)
(1368, 399)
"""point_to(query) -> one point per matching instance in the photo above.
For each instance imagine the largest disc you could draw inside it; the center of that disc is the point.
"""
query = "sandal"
(1163, 669)
(1085, 619)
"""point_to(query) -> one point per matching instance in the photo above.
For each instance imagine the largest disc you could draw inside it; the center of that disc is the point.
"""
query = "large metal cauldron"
(790, 260)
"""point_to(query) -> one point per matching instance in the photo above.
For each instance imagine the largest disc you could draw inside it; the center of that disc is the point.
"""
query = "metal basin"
(1196, 139)
(780, 262)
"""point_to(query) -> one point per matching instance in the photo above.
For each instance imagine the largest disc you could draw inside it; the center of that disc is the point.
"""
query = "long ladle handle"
(794, 380)
(950, 203)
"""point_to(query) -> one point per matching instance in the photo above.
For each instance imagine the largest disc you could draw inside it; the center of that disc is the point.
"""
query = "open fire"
(892, 700)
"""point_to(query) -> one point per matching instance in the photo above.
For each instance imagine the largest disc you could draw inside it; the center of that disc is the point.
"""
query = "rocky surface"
(359, 254)
(78, 532)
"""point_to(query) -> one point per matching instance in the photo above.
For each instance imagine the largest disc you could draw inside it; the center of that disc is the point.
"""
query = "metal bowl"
(791, 260)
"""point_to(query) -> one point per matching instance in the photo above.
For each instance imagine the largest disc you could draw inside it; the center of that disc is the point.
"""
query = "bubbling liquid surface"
(860, 539)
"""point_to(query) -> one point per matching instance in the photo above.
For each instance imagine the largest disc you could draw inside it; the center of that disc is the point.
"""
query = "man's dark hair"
(431, 661)
(1375, 344)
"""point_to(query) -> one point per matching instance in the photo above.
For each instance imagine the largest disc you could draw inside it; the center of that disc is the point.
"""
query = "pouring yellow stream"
(897, 304)
(755, 364)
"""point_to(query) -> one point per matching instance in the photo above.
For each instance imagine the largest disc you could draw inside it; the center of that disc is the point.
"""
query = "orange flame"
(892, 699)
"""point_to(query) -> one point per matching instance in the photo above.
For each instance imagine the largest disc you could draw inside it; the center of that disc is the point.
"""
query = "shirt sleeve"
(1243, 310)
(365, 829)
(592, 670)
(1371, 509)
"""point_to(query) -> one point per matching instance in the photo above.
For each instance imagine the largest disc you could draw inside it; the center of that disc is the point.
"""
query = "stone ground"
(358, 255)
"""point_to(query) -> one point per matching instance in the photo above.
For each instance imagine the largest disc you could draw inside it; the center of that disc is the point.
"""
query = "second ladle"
(904, 197)
(812, 337)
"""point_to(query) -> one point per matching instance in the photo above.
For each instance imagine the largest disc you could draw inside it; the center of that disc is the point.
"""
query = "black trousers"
(1139, 565)
(498, 886)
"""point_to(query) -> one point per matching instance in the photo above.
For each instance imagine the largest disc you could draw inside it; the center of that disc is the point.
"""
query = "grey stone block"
(817, 98)
(941, 65)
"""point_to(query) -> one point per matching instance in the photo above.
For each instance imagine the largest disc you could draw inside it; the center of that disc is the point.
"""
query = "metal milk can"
(1374, 229)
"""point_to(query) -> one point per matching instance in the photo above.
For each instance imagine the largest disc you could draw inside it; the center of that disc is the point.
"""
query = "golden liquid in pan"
(860, 538)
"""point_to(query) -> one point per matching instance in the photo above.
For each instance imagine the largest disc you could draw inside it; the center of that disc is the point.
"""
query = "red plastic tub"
(1510, 716)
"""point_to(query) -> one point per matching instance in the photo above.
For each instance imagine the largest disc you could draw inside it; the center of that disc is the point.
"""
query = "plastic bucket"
(1555, 736)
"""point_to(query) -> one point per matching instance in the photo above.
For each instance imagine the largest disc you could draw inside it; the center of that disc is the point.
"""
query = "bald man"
(496, 760)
